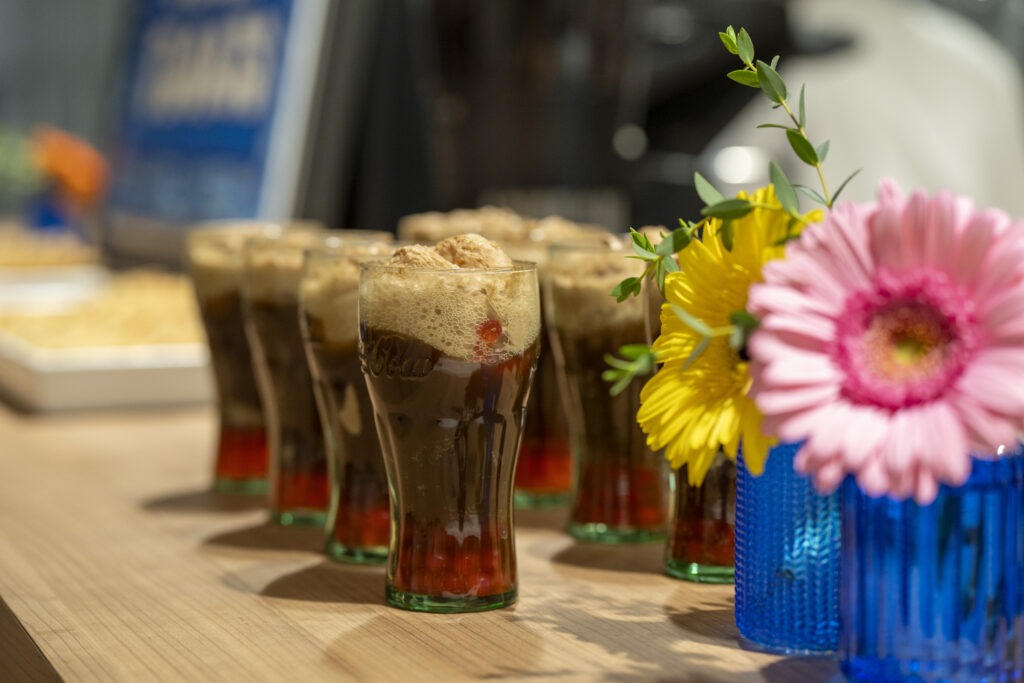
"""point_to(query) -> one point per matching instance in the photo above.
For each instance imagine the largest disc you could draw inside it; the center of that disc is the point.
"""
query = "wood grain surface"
(117, 564)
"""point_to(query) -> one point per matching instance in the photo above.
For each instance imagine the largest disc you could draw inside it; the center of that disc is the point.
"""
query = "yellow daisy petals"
(695, 408)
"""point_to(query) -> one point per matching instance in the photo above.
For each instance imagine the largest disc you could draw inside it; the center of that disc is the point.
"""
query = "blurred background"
(357, 112)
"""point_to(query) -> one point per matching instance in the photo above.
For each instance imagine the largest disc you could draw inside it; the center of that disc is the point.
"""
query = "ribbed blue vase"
(935, 593)
(787, 560)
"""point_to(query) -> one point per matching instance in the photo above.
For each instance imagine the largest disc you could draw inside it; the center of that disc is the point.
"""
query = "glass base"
(443, 605)
(701, 573)
(356, 555)
(299, 518)
(602, 533)
(787, 651)
(530, 500)
(243, 487)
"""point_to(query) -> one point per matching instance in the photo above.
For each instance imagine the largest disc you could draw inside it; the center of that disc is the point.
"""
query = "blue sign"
(203, 93)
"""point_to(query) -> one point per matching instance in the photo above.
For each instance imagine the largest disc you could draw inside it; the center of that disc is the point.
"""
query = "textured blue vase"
(934, 593)
(787, 560)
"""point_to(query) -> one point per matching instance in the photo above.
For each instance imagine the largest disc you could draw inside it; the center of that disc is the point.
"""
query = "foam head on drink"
(449, 337)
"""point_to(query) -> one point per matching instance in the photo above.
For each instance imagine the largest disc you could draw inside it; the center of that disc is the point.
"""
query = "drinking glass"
(358, 520)
(621, 486)
(214, 261)
(299, 482)
(449, 357)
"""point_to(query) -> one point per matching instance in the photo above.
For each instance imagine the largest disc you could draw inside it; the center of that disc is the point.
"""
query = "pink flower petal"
(801, 368)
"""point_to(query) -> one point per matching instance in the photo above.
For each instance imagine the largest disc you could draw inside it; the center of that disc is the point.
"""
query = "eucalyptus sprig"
(764, 76)
(660, 258)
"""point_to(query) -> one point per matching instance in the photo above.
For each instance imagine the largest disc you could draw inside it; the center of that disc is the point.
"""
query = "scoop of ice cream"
(447, 299)
(556, 229)
(420, 256)
(473, 251)
(492, 222)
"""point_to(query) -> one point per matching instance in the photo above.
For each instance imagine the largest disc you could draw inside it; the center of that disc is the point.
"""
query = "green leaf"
(802, 147)
(771, 82)
(729, 40)
(845, 183)
(822, 151)
(812, 193)
(639, 360)
(635, 351)
(744, 325)
(802, 117)
(745, 77)
(629, 287)
(728, 234)
(744, 319)
(669, 265)
(706, 191)
(775, 125)
(745, 46)
(728, 209)
(640, 240)
(674, 242)
(783, 189)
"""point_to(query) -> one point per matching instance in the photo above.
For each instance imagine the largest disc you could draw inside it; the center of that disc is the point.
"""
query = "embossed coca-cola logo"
(394, 355)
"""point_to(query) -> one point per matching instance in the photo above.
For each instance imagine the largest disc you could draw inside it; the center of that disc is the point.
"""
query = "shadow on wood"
(645, 558)
(330, 581)
(804, 669)
(553, 518)
(268, 536)
(717, 623)
(204, 501)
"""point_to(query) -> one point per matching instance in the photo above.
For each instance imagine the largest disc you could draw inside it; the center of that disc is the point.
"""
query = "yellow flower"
(693, 411)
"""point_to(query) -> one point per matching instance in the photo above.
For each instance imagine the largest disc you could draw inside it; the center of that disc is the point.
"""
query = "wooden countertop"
(116, 564)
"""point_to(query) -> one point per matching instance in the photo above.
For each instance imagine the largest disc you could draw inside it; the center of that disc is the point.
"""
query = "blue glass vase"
(934, 593)
(787, 560)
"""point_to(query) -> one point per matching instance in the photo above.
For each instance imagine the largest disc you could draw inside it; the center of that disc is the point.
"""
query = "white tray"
(48, 380)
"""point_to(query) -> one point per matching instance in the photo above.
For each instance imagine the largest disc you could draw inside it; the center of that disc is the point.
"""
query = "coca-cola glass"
(214, 260)
(449, 355)
(358, 521)
(621, 486)
(299, 482)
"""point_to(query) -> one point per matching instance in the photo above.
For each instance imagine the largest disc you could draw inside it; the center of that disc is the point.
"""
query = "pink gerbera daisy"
(892, 343)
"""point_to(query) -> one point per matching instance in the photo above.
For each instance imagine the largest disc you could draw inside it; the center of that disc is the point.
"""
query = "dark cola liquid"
(242, 442)
(621, 485)
(300, 483)
(701, 541)
(359, 526)
(544, 471)
(450, 432)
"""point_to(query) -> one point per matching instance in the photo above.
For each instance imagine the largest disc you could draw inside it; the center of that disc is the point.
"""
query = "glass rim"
(518, 266)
